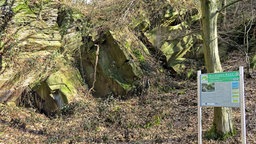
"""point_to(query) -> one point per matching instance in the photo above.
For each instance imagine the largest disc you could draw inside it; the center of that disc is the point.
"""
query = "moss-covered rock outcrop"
(31, 60)
(54, 50)
(49, 52)
(117, 69)
(169, 34)
(174, 39)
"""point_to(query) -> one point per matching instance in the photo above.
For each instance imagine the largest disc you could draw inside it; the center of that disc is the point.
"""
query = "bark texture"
(222, 116)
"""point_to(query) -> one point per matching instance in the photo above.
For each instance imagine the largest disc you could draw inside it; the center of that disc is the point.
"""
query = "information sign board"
(220, 89)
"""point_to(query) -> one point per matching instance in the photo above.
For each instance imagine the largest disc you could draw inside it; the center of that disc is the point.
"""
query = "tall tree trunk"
(222, 116)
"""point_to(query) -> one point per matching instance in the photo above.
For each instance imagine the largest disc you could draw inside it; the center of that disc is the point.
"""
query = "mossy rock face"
(58, 89)
(81, 40)
(67, 80)
(70, 20)
(117, 68)
(118, 64)
(45, 102)
(174, 41)
(32, 57)
(35, 25)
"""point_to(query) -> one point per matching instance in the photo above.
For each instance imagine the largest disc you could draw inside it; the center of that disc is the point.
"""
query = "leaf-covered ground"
(156, 117)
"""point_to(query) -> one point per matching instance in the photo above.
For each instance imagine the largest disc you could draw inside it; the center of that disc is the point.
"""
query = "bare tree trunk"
(210, 37)
(222, 122)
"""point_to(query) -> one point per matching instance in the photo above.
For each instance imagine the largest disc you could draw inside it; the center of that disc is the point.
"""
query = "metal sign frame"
(242, 105)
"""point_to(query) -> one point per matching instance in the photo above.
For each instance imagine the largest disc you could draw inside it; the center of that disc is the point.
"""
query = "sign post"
(242, 107)
(224, 89)
(199, 109)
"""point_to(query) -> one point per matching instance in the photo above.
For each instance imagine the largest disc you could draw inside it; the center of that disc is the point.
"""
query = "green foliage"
(155, 121)
(139, 55)
(253, 63)
(24, 7)
(213, 134)
(170, 126)
(190, 73)
(65, 19)
(2, 2)
(1, 45)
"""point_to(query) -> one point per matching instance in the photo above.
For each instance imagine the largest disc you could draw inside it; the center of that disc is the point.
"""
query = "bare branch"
(224, 7)
(95, 68)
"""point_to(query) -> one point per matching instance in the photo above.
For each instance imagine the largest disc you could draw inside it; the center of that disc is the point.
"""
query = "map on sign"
(220, 89)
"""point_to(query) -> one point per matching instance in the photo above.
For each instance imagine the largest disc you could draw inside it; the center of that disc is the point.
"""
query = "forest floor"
(158, 117)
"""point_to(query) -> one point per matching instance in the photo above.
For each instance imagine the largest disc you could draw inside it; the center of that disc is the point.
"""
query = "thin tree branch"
(224, 7)
(95, 68)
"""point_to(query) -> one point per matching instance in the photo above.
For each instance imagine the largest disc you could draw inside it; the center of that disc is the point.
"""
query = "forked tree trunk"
(222, 122)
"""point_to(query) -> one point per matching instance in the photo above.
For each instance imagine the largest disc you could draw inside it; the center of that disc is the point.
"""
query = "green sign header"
(223, 77)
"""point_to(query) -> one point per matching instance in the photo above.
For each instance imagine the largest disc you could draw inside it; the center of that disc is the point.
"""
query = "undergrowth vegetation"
(156, 117)
(119, 13)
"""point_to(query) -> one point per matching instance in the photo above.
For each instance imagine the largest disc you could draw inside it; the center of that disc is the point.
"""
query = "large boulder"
(118, 69)
(59, 89)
